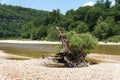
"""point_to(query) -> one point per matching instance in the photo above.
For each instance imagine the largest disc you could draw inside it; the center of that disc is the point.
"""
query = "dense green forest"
(101, 20)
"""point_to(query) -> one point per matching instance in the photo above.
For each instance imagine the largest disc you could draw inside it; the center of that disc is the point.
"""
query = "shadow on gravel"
(90, 61)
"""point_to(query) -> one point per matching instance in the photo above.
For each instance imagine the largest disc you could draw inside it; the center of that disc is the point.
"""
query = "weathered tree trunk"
(69, 57)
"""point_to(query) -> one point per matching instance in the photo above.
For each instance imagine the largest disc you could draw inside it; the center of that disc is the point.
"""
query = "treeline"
(12, 18)
(101, 20)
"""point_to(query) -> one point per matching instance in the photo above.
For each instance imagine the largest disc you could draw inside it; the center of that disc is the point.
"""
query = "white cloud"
(89, 3)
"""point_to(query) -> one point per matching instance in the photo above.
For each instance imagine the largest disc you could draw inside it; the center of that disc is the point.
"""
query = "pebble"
(35, 70)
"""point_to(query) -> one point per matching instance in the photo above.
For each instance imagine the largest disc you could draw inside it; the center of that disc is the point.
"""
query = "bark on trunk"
(69, 57)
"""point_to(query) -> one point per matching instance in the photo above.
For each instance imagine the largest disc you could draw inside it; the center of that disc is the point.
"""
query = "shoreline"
(29, 42)
(35, 69)
(7, 56)
(48, 42)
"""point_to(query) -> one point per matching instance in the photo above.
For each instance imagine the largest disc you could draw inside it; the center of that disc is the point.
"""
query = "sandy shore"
(28, 42)
(35, 69)
(109, 43)
(47, 42)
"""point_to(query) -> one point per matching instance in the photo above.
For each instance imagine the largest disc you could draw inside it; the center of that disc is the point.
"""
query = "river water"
(37, 50)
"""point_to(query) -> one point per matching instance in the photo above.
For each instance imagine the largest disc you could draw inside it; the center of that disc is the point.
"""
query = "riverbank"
(7, 56)
(36, 69)
(48, 42)
(28, 42)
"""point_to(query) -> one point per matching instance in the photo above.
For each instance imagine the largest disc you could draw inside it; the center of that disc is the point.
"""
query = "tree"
(107, 4)
(54, 17)
(101, 30)
(117, 29)
(70, 13)
(92, 17)
(75, 48)
(81, 28)
(100, 4)
(13, 18)
(100, 20)
(39, 33)
(27, 30)
(52, 34)
(80, 13)
(112, 26)
(67, 24)
(117, 4)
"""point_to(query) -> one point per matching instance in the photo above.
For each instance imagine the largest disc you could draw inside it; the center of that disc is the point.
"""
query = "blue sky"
(49, 5)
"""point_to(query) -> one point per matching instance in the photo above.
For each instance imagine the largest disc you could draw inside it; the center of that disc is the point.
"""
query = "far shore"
(47, 42)
(29, 42)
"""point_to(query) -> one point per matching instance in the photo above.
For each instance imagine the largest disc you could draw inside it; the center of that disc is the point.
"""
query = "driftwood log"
(68, 56)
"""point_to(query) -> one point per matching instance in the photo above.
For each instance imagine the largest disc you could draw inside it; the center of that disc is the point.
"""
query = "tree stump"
(68, 56)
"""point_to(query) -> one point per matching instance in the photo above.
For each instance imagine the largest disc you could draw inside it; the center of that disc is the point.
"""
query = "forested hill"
(12, 18)
(101, 20)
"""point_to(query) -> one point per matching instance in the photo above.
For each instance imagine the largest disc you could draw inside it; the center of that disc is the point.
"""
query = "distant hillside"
(13, 17)
(101, 20)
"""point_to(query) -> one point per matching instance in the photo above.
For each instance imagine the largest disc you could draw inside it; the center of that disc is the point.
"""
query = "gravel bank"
(35, 70)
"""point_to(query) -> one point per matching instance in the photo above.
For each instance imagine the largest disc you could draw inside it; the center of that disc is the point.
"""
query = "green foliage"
(52, 34)
(113, 28)
(70, 13)
(107, 4)
(103, 4)
(81, 13)
(115, 38)
(101, 30)
(117, 5)
(100, 3)
(106, 29)
(12, 18)
(81, 42)
(92, 16)
(31, 31)
(101, 19)
(81, 28)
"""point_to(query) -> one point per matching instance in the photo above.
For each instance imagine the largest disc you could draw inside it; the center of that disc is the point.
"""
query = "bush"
(114, 39)
(81, 42)
(101, 30)
(81, 28)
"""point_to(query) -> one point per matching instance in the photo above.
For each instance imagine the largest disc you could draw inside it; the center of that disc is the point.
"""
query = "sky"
(49, 5)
